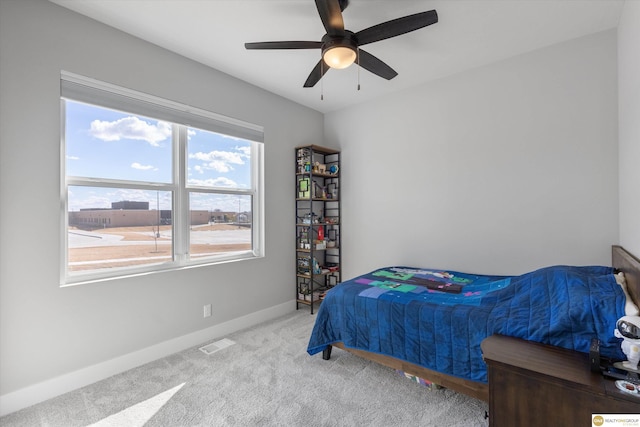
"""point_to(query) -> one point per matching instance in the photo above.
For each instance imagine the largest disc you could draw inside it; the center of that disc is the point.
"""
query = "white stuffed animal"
(628, 328)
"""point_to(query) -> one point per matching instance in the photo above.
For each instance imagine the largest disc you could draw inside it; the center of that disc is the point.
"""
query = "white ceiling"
(470, 33)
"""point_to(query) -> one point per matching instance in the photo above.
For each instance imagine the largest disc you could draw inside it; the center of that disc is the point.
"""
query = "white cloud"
(245, 150)
(73, 158)
(217, 182)
(138, 166)
(220, 161)
(92, 201)
(130, 128)
(219, 166)
(235, 138)
(101, 198)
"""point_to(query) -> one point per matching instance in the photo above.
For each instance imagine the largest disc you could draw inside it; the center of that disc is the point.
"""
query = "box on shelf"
(304, 188)
(317, 296)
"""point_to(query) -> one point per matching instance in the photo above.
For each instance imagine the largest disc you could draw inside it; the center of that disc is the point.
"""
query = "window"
(149, 184)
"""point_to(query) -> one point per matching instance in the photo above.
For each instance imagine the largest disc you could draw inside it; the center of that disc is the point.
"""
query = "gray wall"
(629, 111)
(501, 169)
(47, 331)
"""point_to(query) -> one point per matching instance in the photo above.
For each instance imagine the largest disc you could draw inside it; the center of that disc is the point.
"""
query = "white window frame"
(83, 89)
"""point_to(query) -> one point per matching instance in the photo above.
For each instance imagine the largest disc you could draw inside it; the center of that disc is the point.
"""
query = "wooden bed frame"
(621, 260)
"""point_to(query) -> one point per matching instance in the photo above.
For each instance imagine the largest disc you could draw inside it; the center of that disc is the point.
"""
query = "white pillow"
(630, 309)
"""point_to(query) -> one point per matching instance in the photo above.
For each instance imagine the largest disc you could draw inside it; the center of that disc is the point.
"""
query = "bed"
(430, 323)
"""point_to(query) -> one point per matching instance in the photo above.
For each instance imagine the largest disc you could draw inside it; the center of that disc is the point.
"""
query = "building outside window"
(149, 184)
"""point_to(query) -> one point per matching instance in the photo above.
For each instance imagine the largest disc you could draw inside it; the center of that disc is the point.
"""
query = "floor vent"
(216, 346)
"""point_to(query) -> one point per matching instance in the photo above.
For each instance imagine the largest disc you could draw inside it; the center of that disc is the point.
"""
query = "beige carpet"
(265, 379)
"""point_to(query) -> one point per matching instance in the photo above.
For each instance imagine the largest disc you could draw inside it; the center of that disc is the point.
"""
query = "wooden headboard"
(630, 266)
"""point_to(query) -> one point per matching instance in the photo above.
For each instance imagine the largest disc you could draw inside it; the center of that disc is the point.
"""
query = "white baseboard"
(53, 387)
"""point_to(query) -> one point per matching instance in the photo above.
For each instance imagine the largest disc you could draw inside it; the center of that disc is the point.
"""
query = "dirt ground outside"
(98, 257)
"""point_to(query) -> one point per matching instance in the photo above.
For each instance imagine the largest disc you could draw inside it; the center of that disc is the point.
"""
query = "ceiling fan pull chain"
(358, 58)
(321, 80)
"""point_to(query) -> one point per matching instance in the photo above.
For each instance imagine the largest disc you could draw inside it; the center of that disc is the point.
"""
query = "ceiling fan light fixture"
(339, 57)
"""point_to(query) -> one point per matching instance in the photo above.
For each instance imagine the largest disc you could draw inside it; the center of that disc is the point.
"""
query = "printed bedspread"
(438, 319)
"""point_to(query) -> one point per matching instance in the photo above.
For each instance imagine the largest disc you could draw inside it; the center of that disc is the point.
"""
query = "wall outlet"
(207, 310)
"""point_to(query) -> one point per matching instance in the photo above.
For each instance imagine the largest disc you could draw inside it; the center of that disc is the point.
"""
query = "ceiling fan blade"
(316, 74)
(331, 16)
(284, 45)
(396, 27)
(376, 66)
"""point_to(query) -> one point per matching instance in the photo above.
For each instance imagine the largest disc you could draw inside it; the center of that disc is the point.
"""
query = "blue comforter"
(438, 319)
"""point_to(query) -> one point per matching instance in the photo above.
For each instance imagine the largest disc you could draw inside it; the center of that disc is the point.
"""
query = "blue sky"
(103, 143)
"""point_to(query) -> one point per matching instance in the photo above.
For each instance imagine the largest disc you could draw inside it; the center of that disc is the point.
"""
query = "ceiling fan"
(341, 48)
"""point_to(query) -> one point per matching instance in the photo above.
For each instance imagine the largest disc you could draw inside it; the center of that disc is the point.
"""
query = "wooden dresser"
(533, 384)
